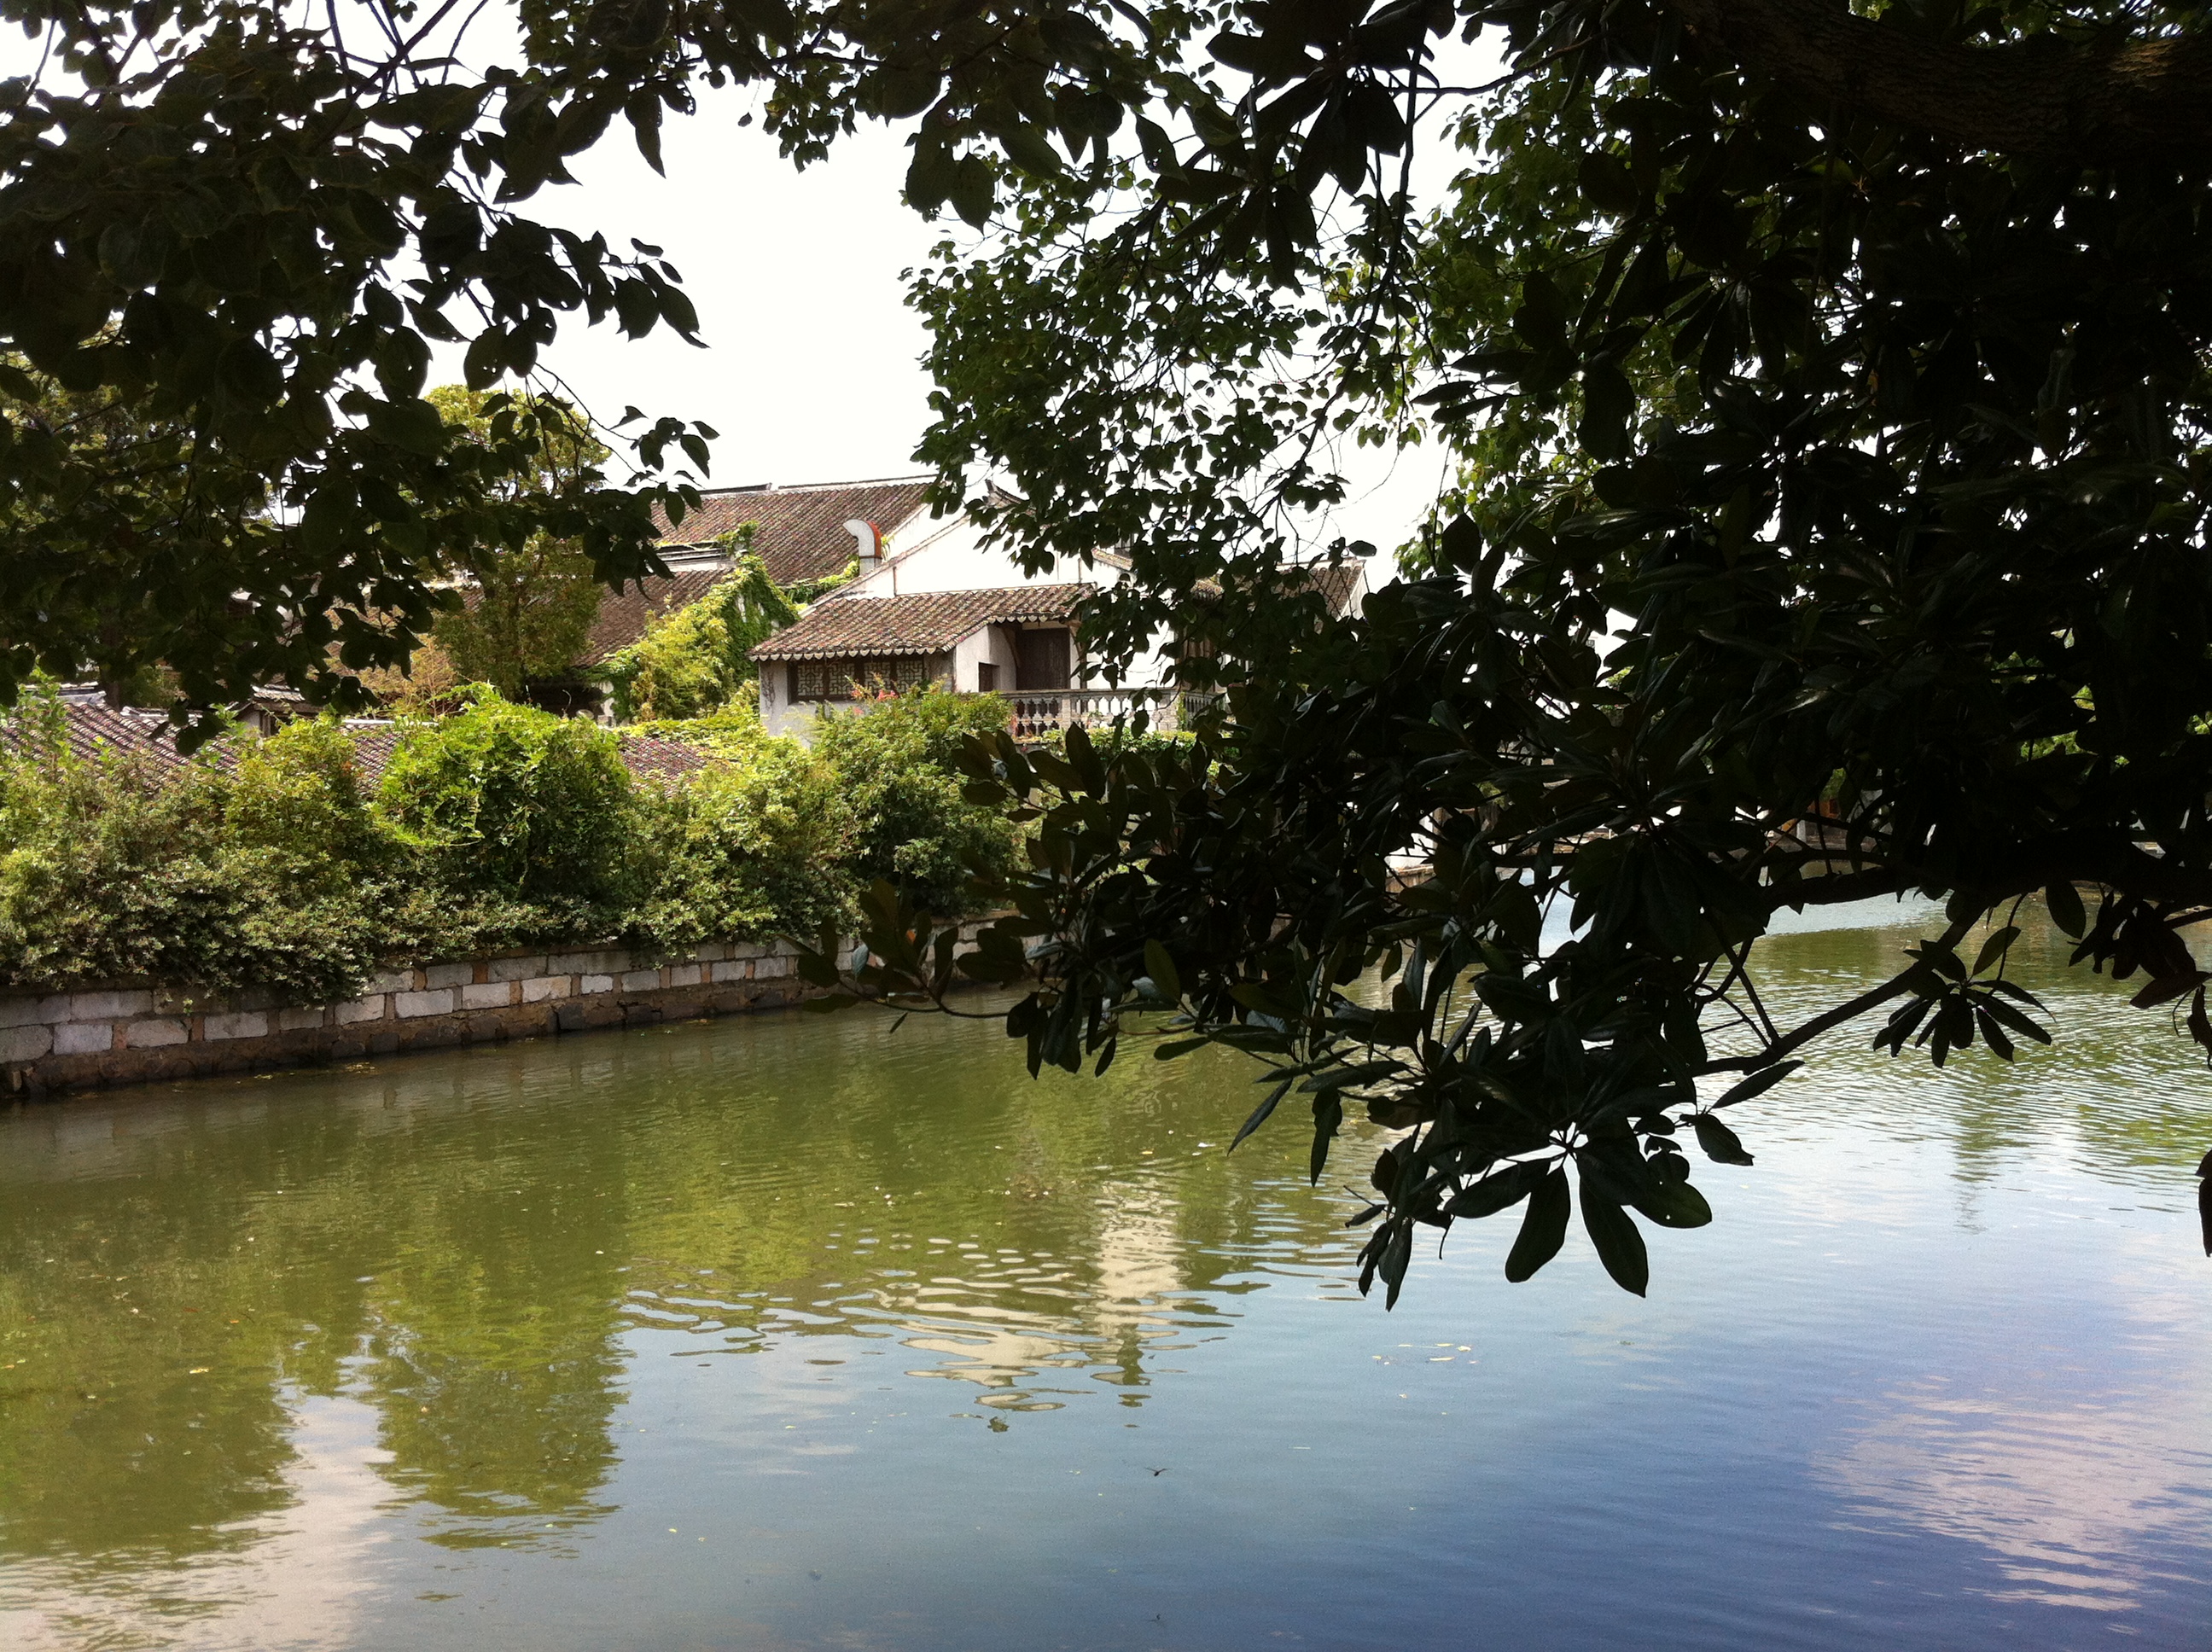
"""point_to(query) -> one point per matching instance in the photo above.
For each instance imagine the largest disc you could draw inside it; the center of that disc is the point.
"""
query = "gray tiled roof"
(92, 730)
(799, 531)
(846, 627)
(624, 615)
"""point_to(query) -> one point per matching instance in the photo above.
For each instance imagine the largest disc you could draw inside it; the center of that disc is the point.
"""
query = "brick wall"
(125, 1035)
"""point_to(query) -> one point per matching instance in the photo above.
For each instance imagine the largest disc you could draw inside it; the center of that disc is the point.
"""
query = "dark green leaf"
(1994, 948)
(1543, 1229)
(1620, 1245)
(2064, 901)
(1260, 1113)
(1721, 1144)
(1161, 968)
(1758, 1083)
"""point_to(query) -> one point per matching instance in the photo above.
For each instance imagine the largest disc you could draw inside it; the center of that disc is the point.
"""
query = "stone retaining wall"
(125, 1035)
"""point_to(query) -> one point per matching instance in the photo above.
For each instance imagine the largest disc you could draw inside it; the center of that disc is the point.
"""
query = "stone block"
(83, 1037)
(732, 970)
(487, 995)
(25, 1043)
(751, 948)
(18, 1011)
(680, 1009)
(641, 980)
(394, 980)
(515, 969)
(298, 1019)
(576, 1017)
(108, 1005)
(771, 968)
(683, 975)
(546, 988)
(408, 1005)
(596, 984)
(448, 974)
(56, 1006)
(240, 1023)
(586, 963)
(258, 998)
(371, 1008)
(150, 1034)
(711, 951)
(641, 1015)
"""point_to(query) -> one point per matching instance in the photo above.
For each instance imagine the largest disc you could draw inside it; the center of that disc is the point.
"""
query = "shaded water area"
(791, 1332)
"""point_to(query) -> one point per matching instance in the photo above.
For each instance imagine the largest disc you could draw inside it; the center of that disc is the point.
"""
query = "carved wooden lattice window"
(834, 679)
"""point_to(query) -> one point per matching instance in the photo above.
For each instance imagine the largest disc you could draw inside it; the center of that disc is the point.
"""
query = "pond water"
(788, 1331)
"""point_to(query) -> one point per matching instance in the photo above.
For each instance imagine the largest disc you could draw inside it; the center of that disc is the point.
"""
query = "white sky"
(813, 369)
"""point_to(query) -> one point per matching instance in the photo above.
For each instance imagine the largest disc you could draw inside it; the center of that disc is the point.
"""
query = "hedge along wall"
(125, 1035)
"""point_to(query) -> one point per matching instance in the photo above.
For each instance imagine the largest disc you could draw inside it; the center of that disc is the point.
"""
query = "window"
(1041, 660)
(835, 679)
(986, 678)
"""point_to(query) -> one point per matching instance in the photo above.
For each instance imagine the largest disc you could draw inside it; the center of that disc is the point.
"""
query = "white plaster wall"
(932, 555)
(777, 715)
(988, 646)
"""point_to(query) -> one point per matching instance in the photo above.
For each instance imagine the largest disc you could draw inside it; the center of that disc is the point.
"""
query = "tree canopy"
(526, 609)
(1831, 396)
(1830, 389)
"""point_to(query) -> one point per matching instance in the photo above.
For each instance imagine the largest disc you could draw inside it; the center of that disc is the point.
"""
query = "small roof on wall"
(847, 626)
(93, 730)
(799, 531)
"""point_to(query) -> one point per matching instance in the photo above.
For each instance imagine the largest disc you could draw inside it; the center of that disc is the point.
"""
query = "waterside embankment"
(127, 1033)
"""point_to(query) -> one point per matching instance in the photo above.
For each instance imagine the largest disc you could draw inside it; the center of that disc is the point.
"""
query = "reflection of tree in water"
(266, 1250)
(474, 1244)
(1019, 1232)
(465, 1241)
(2120, 1091)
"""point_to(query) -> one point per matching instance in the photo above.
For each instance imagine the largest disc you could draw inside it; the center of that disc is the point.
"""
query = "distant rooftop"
(926, 623)
(799, 529)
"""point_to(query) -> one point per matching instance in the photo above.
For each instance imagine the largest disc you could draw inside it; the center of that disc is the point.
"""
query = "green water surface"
(789, 1331)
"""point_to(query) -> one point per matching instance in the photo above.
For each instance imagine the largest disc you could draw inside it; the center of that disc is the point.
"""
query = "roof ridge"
(818, 487)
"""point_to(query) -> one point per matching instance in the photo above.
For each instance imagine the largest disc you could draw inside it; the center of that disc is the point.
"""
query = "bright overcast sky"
(813, 369)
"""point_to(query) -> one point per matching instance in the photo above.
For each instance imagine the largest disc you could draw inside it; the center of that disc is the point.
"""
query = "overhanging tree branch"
(2132, 101)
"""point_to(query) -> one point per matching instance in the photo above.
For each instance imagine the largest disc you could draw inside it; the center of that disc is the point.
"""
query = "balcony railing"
(1038, 714)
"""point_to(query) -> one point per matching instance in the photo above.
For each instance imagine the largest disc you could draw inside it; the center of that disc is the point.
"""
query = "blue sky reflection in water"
(790, 1333)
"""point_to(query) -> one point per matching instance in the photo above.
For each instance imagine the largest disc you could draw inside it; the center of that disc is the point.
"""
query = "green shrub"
(898, 765)
(759, 844)
(501, 827)
(699, 658)
(509, 799)
(112, 871)
(300, 795)
(732, 731)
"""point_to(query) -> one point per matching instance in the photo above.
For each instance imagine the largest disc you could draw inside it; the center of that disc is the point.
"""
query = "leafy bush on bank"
(502, 826)
(900, 766)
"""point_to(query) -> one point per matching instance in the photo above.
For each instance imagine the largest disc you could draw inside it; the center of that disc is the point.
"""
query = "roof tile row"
(848, 626)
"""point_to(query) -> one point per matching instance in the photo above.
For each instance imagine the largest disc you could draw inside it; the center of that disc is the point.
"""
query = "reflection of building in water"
(298, 1577)
(1138, 1249)
(995, 1327)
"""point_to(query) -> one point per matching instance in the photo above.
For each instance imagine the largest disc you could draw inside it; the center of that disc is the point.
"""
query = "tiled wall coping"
(131, 1034)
